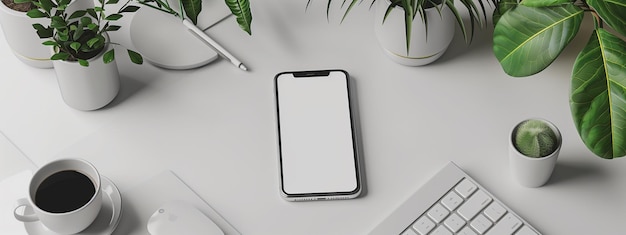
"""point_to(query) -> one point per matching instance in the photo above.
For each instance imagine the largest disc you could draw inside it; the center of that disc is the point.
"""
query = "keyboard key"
(454, 222)
(441, 231)
(465, 188)
(451, 200)
(409, 232)
(526, 231)
(467, 231)
(438, 213)
(481, 224)
(423, 225)
(474, 204)
(494, 211)
(506, 226)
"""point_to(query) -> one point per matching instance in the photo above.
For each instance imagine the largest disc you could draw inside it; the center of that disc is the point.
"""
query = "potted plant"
(26, 48)
(82, 52)
(534, 147)
(598, 83)
(418, 32)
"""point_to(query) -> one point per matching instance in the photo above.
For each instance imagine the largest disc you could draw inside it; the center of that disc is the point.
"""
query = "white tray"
(164, 41)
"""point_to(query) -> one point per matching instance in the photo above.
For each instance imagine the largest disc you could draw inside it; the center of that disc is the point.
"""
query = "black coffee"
(64, 191)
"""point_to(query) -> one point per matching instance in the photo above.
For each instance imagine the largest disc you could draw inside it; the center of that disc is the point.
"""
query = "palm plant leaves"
(598, 95)
(524, 31)
(192, 9)
(241, 10)
(612, 12)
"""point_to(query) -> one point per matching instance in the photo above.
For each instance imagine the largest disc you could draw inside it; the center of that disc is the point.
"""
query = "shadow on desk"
(564, 172)
(482, 42)
(128, 88)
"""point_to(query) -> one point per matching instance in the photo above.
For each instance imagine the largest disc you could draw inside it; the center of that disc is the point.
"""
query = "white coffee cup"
(62, 175)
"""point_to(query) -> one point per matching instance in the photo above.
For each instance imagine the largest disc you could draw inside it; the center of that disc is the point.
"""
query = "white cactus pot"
(424, 48)
(88, 88)
(528, 171)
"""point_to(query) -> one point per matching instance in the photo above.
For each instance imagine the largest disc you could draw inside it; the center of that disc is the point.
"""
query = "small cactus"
(534, 138)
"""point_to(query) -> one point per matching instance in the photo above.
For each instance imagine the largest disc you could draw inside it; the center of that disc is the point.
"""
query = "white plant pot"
(23, 39)
(88, 88)
(529, 171)
(424, 48)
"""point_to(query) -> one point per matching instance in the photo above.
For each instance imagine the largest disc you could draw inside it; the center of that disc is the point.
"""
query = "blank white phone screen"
(316, 142)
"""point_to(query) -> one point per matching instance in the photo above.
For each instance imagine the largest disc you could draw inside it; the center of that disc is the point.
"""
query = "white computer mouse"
(178, 217)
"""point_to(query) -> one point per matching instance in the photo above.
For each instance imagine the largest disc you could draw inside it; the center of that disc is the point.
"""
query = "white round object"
(164, 41)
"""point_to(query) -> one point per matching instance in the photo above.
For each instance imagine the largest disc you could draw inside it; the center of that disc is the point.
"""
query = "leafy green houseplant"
(192, 8)
(598, 83)
(535, 138)
(79, 35)
(416, 9)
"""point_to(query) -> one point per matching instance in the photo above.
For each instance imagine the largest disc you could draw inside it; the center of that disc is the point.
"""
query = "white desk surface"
(215, 126)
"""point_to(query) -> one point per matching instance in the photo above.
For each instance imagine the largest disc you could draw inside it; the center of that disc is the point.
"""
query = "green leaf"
(135, 57)
(84, 63)
(78, 33)
(92, 26)
(58, 22)
(112, 28)
(598, 95)
(112, 1)
(130, 9)
(544, 3)
(50, 43)
(109, 56)
(42, 31)
(86, 21)
(459, 19)
(77, 14)
(92, 13)
(241, 9)
(21, 1)
(64, 2)
(93, 42)
(75, 46)
(114, 17)
(63, 36)
(526, 40)
(60, 56)
(192, 9)
(408, 23)
(47, 5)
(613, 12)
(36, 13)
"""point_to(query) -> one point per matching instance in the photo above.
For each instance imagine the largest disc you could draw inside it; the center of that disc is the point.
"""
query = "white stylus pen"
(209, 41)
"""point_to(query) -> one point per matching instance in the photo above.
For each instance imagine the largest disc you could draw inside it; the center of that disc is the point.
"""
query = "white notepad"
(139, 203)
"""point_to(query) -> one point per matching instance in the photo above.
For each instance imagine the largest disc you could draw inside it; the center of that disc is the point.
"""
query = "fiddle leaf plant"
(414, 8)
(80, 35)
(598, 82)
(192, 8)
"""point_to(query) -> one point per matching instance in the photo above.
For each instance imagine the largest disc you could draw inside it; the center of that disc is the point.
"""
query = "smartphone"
(316, 136)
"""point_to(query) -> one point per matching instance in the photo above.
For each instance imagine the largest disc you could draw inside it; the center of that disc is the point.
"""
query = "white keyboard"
(451, 202)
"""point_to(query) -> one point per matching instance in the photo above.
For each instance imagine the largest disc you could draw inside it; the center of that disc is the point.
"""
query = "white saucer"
(106, 221)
